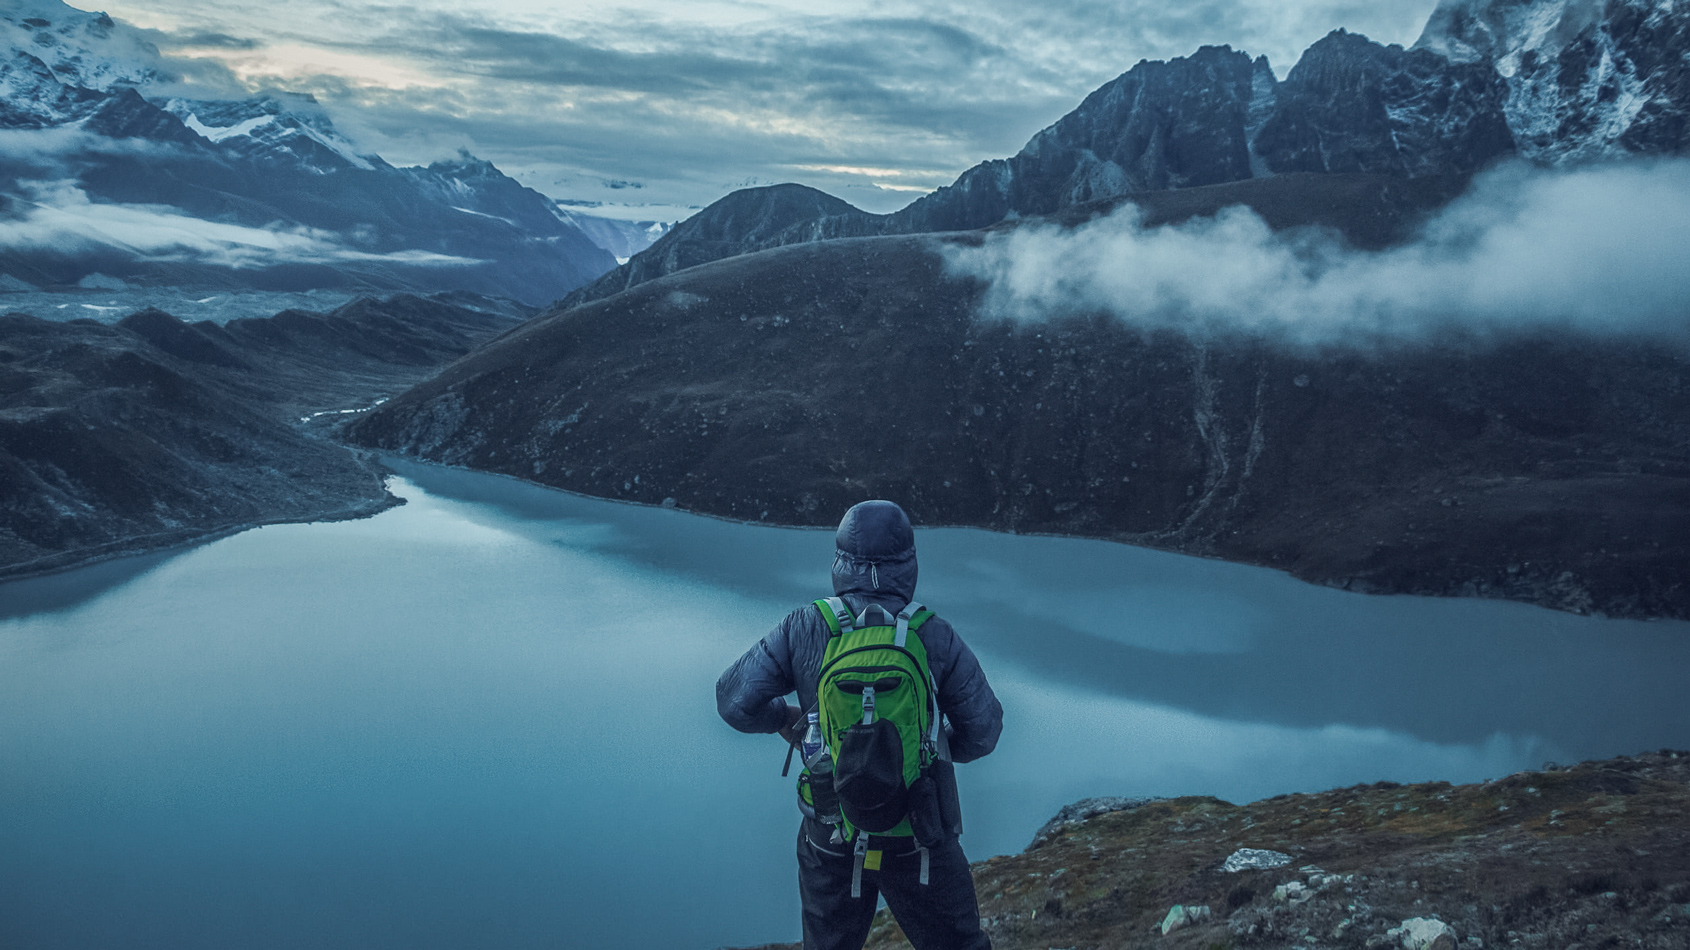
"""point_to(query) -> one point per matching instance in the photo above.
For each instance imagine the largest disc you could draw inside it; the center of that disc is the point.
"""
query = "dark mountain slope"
(155, 432)
(748, 219)
(109, 445)
(786, 385)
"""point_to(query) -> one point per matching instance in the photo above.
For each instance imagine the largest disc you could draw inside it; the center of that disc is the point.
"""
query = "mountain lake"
(487, 718)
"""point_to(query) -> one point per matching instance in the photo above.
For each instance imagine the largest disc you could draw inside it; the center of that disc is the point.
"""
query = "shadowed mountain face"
(154, 432)
(787, 385)
(1351, 105)
(1488, 80)
(1177, 124)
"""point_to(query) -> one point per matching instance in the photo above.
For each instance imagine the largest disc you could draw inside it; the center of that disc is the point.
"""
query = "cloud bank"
(1602, 249)
(58, 216)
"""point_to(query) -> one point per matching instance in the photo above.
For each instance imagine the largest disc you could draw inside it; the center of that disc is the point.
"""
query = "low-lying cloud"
(56, 149)
(1602, 249)
(59, 216)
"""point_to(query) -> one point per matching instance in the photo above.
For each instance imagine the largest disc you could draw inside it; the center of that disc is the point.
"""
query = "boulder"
(1250, 859)
(1181, 915)
(1295, 892)
(1423, 933)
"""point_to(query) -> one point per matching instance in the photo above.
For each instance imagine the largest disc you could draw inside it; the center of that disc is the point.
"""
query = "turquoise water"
(487, 718)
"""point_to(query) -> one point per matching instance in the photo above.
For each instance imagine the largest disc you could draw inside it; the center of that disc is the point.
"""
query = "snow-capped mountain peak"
(78, 48)
(272, 127)
(1505, 31)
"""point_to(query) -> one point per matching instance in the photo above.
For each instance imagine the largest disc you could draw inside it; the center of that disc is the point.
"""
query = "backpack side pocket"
(943, 773)
(926, 819)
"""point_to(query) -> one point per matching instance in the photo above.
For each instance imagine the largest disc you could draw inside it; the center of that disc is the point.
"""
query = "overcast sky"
(676, 102)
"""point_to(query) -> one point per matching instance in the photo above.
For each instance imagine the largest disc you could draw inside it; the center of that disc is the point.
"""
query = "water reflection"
(67, 589)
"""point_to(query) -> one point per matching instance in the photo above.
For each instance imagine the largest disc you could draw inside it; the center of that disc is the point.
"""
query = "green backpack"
(879, 721)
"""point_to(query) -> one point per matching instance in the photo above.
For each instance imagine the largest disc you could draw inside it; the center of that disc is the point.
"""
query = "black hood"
(875, 552)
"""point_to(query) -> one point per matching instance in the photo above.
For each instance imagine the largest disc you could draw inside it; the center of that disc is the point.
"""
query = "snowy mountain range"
(100, 177)
(1549, 81)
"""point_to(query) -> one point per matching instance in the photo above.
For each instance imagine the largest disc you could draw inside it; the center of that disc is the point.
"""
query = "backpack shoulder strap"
(910, 618)
(837, 615)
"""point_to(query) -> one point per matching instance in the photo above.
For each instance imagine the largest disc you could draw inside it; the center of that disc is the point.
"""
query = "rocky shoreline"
(1590, 856)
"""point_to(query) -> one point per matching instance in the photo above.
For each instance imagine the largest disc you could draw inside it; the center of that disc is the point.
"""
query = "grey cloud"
(693, 105)
(1598, 249)
(898, 72)
(209, 40)
(745, 103)
(1153, 29)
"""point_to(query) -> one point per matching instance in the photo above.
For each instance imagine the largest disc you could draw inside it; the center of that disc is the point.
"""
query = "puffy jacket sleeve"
(751, 694)
(966, 699)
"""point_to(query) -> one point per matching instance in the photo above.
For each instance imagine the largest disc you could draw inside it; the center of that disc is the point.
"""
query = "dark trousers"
(939, 915)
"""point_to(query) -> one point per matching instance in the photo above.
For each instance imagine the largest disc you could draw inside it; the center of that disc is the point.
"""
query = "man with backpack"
(888, 698)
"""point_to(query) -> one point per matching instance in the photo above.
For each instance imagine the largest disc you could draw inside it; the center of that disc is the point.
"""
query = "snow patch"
(483, 214)
(220, 134)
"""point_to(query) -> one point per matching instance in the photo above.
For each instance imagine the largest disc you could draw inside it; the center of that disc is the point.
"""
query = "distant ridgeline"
(236, 176)
(1551, 81)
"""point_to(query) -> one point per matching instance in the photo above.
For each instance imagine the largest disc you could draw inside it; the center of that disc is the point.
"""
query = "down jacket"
(874, 564)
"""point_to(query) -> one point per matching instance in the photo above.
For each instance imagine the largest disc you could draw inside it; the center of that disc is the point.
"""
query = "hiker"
(890, 718)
